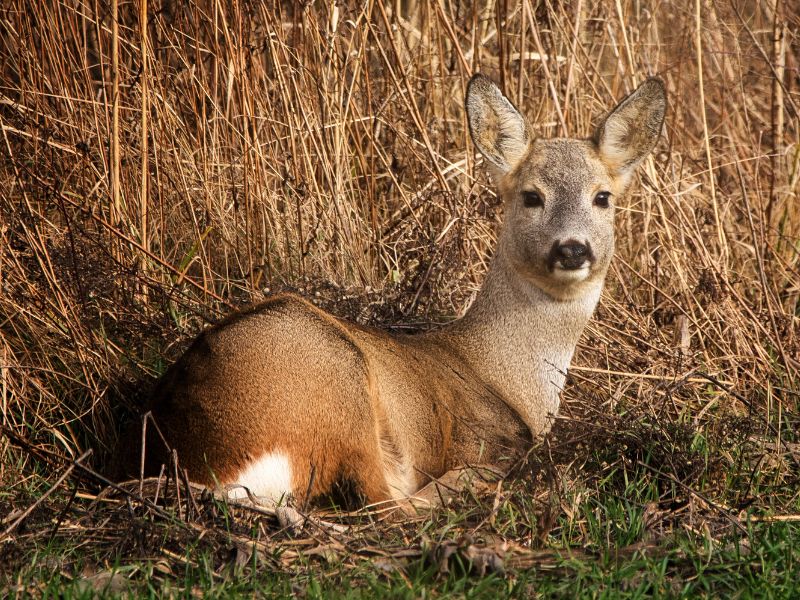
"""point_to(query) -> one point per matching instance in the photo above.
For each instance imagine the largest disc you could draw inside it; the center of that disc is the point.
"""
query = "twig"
(774, 518)
(720, 509)
(46, 455)
(749, 404)
(63, 513)
(44, 496)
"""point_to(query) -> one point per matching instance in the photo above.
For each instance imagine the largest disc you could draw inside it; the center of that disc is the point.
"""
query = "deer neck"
(520, 340)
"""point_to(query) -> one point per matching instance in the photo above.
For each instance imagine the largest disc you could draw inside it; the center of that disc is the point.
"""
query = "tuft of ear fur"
(497, 128)
(628, 133)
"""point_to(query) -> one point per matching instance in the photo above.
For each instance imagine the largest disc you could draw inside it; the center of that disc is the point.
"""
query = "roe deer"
(283, 398)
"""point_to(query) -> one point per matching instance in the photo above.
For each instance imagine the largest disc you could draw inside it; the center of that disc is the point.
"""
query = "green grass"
(641, 508)
(762, 564)
(619, 506)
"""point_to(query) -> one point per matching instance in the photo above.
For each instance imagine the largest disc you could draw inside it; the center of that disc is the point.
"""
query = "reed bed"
(162, 163)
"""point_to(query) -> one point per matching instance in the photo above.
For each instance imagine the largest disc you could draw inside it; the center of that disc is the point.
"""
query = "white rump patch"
(268, 478)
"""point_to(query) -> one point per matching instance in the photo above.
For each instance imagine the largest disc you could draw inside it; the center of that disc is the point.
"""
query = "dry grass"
(241, 148)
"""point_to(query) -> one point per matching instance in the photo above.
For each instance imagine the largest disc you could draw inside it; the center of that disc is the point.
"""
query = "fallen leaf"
(103, 583)
(329, 552)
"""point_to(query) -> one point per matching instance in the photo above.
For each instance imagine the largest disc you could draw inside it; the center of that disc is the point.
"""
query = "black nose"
(571, 254)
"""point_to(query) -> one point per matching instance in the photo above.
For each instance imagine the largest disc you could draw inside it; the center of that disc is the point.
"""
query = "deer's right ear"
(496, 127)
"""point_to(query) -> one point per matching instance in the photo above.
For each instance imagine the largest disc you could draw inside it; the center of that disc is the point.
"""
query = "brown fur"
(387, 412)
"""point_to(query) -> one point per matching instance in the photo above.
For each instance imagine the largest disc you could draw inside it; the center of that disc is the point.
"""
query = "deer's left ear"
(628, 133)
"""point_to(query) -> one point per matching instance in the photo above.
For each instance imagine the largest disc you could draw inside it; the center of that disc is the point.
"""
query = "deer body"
(284, 398)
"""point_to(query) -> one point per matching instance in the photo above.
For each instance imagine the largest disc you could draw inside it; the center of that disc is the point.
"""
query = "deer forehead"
(563, 168)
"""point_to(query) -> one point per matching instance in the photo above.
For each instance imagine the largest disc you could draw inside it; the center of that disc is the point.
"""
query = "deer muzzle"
(570, 255)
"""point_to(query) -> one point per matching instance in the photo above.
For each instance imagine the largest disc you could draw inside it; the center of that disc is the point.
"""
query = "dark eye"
(532, 199)
(601, 199)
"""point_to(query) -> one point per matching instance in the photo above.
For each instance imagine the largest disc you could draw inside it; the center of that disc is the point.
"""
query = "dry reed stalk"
(116, 214)
(145, 109)
(777, 112)
(712, 185)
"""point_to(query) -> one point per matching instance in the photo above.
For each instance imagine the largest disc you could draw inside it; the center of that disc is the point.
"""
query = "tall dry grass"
(187, 157)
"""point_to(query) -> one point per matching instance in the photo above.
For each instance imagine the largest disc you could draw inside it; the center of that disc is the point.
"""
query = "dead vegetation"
(195, 156)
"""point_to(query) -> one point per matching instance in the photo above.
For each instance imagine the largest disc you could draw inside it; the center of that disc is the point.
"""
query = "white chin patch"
(268, 478)
(571, 275)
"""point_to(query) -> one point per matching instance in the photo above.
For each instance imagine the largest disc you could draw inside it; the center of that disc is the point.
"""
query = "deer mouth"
(573, 264)
(568, 276)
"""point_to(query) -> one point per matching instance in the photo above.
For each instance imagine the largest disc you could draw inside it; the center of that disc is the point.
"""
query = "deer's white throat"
(525, 340)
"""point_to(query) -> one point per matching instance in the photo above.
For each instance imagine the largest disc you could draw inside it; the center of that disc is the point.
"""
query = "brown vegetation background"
(188, 157)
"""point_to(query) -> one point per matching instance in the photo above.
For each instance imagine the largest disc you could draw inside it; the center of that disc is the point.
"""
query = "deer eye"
(601, 199)
(532, 199)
